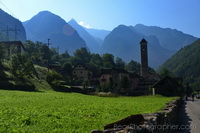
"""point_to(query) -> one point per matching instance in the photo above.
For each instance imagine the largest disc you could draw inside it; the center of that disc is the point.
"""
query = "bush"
(53, 78)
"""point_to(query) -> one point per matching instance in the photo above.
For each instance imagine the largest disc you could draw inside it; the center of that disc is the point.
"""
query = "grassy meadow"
(51, 111)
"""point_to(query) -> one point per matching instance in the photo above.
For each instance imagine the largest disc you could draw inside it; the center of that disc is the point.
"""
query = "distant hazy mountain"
(46, 25)
(92, 44)
(8, 26)
(101, 34)
(186, 63)
(124, 41)
(169, 38)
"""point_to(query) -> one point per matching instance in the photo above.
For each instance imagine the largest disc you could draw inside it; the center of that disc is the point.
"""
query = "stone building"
(82, 72)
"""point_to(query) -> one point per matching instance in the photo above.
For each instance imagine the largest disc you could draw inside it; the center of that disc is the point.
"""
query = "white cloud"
(84, 25)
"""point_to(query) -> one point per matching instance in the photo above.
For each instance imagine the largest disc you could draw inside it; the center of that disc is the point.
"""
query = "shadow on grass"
(68, 89)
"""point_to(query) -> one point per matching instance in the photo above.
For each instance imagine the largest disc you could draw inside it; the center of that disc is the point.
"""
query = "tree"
(164, 72)
(65, 55)
(120, 63)
(22, 66)
(67, 68)
(103, 87)
(108, 60)
(1, 52)
(74, 60)
(96, 61)
(44, 52)
(83, 55)
(111, 85)
(133, 66)
(53, 78)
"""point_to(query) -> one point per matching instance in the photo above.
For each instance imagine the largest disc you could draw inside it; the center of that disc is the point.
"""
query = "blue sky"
(183, 15)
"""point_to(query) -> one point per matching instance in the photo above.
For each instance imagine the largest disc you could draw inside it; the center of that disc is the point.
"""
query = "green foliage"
(68, 112)
(185, 63)
(108, 60)
(120, 63)
(83, 55)
(103, 87)
(133, 66)
(22, 66)
(96, 61)
(53, 78)
(111, 85)
(67, 69)
(1, 52)
(164, 72)
(86, 84)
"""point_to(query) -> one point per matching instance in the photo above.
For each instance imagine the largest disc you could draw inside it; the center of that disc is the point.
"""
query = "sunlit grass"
(68, 112)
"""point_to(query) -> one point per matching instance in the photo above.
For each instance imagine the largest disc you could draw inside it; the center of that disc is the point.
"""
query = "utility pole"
(7, 33)
(58, 49)
(48, 55)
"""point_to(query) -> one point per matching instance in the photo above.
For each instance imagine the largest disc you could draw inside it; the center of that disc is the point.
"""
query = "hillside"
(35, 82)
(46, 25)
(185, 63)
(8, 25)
(92, 44)
(124, 41)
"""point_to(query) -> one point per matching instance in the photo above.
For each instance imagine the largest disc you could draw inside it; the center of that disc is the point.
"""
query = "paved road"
(189, 117)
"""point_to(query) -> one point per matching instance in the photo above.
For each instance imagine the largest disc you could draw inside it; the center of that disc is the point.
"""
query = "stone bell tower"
(144, 58)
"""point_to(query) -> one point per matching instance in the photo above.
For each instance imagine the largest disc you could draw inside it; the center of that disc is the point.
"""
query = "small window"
(81, 72)
(74, 72)
(79, 66)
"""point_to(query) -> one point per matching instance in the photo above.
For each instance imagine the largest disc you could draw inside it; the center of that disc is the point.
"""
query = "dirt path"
(189, 117)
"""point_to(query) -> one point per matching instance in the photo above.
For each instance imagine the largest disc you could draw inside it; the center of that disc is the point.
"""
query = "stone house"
(114, 74)
(82, 72)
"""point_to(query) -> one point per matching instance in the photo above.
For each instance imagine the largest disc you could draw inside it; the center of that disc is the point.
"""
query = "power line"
(37, 35)
(8, 9)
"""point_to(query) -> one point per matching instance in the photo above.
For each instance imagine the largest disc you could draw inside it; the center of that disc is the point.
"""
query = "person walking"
(193, 97)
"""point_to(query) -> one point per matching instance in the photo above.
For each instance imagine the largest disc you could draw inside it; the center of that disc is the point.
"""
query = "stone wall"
(164, 121)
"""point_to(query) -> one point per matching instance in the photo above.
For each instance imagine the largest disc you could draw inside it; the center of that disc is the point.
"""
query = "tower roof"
(143, 41)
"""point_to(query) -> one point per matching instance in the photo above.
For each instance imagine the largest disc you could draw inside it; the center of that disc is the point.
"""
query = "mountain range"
(122, 41)
(11, 28)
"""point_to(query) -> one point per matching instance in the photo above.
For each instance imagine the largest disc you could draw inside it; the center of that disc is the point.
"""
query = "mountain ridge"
(91, 43)
(48, 25)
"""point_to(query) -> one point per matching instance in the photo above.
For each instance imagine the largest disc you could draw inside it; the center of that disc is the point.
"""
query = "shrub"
(53, 78)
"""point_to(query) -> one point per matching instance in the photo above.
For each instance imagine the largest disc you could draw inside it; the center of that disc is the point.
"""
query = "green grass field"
(68, 112)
